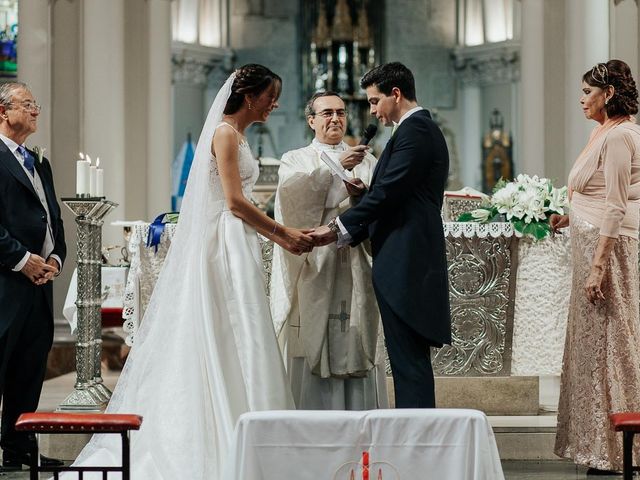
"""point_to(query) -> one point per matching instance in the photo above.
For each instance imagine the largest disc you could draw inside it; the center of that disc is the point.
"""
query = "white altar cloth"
(113, 284)
(418, 443)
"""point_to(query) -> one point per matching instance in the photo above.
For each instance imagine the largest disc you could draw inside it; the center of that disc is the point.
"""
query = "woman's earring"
(250, 106)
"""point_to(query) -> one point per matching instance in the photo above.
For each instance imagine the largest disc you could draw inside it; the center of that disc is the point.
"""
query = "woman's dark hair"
(251, 79)
(390, 75)
(617, 74)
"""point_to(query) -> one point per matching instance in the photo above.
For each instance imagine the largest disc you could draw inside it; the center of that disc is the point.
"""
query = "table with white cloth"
(113, 285)
(400, 444)
(509, 297)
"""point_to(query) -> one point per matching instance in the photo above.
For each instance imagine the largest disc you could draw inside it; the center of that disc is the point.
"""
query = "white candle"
(99, 179)
(82, 176)
(93, 176)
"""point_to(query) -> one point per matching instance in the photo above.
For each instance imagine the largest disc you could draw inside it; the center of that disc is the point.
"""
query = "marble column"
(160, 135)
(147, 113)
(34, 54)
(192, 70)
(587, 43)
(532, 115)
(471, 148)
(103, 99)
(624, 32)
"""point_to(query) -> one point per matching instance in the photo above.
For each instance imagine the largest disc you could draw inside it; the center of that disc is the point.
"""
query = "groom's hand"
(355, 187)
(323, 236)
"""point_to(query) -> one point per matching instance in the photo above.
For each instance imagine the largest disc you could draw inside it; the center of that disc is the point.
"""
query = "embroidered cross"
(343, 316)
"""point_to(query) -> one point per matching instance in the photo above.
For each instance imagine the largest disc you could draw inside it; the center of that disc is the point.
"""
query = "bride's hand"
(295, 240)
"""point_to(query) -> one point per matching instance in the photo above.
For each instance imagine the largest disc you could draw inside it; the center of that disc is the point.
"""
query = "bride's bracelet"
(275, 226)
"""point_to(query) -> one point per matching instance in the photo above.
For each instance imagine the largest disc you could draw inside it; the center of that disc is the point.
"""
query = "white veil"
(161, 377)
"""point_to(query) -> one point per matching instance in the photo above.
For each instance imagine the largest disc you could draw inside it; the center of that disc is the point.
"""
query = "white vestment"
(323, 303)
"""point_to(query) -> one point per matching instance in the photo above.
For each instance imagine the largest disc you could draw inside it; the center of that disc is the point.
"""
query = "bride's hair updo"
(617, 74)
(251, 79)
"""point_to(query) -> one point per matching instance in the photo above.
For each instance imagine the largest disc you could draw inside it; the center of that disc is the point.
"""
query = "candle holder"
(89, 392)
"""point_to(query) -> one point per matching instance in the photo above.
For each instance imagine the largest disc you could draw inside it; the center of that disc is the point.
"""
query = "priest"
(323, 304)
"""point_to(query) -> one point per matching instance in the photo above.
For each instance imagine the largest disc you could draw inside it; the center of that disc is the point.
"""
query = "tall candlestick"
(82, 176)
(99, 179)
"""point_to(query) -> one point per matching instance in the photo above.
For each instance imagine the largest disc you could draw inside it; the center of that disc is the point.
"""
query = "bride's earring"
(250, 106)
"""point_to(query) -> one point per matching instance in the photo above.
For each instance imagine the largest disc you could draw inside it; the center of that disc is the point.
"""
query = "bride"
(206, 351)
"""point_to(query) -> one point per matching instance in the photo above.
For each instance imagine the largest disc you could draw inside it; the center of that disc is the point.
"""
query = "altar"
(509, 297)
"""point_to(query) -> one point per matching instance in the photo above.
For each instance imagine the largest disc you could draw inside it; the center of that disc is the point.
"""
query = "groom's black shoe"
(12, 461)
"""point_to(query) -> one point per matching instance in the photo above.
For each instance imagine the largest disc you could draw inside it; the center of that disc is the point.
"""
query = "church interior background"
(131, 81)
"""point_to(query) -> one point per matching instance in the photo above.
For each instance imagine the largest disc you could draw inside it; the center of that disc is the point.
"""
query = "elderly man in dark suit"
(32, 251)
(400, 213)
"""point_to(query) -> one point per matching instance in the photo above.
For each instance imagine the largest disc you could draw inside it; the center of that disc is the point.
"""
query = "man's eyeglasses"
(29, 106)
(330, 113)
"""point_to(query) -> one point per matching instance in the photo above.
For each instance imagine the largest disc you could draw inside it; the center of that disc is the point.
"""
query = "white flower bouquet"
(527, 202)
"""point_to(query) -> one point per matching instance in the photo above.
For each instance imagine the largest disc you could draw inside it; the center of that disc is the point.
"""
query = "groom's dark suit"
(26, 321)
(400, 213)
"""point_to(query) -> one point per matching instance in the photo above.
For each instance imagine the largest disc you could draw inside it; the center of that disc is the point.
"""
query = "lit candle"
(82, 176)
(99, 179)
(93, 176)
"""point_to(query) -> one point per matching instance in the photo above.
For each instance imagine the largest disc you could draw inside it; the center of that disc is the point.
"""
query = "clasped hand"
(299, 241)
(39, 270)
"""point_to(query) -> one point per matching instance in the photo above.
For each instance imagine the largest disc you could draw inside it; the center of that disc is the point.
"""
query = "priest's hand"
(323, 235)
(557, 222)
(355, 187)
(353, 156)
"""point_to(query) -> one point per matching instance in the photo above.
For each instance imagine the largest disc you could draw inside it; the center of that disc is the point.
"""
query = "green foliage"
(537, 230)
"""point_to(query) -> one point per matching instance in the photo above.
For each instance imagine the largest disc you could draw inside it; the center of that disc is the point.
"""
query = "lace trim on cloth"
(132, 291)
(481, 230)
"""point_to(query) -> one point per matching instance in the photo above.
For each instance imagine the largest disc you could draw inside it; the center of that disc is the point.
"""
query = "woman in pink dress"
(601, 365)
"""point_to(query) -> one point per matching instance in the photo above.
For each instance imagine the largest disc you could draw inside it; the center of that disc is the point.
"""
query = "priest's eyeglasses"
(330, 113)
(31, 107)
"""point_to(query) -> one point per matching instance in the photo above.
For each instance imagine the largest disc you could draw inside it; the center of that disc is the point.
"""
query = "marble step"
(491, 395)
(526, 437)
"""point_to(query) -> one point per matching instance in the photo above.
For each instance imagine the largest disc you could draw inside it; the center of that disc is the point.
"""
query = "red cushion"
(111, 317)
(74, 422)
(626, 421)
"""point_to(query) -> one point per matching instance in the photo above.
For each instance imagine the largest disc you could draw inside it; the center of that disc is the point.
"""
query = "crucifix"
(343, 316)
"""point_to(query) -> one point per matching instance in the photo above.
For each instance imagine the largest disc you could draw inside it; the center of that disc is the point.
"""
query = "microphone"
(368, 134)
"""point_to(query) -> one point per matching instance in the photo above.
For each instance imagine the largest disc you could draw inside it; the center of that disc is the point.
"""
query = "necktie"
(395, 127)
(28, 159)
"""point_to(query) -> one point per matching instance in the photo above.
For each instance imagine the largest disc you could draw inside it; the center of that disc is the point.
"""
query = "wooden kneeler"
(80, 423)
(629, 424)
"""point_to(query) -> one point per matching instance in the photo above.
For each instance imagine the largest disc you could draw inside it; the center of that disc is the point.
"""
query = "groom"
(400, 213)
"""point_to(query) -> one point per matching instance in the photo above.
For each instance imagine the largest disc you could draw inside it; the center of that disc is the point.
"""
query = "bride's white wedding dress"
(206, 351)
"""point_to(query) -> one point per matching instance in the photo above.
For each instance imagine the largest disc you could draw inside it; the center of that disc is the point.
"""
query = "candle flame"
(97, 161)
(81, 155)
(88, 158)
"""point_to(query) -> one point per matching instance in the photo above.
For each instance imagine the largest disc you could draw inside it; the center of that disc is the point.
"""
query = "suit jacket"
(400, 213)
(23, 226)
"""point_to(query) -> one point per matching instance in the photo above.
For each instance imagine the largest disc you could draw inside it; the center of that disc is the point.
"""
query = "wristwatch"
(333, 226)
